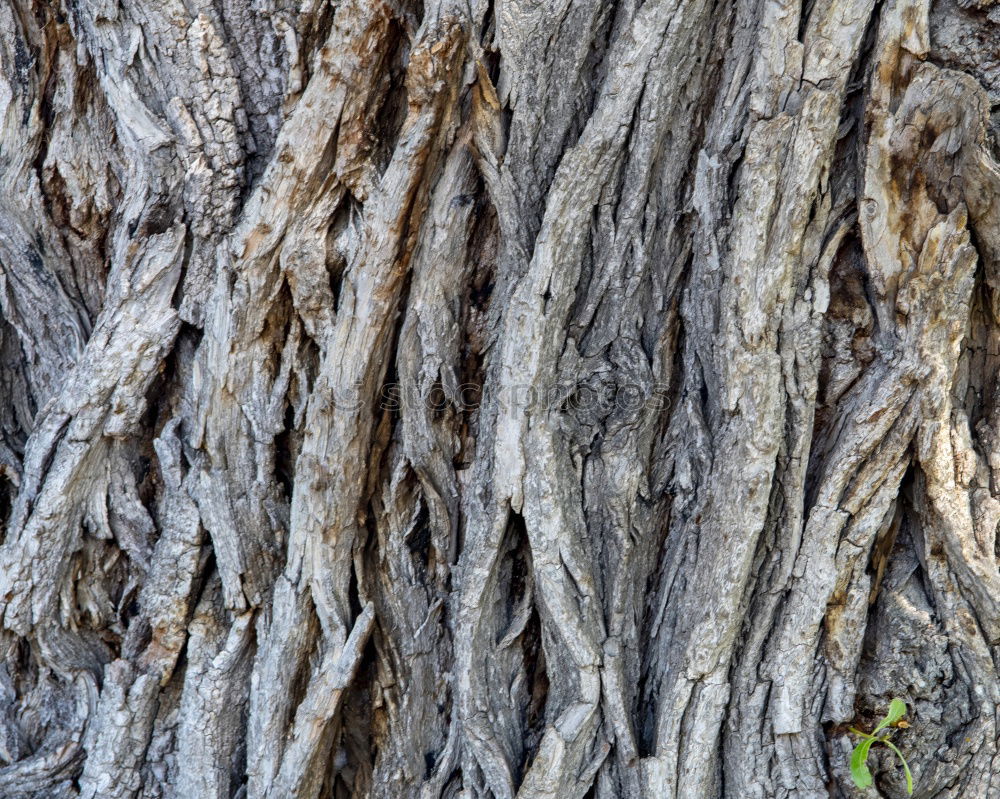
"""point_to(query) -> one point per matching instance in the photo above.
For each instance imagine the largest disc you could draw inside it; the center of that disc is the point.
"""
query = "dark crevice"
(188, 248)
(284, 458)
(355, 745)
(804, 12)
(517, 572)
(534, 664)
(336, 261)
(482, 250)
(418, 539)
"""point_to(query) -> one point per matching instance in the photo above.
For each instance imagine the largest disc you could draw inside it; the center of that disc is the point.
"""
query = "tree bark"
(478, 400)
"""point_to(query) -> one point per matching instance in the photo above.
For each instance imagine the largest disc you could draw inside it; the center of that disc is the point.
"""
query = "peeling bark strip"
(497, 401)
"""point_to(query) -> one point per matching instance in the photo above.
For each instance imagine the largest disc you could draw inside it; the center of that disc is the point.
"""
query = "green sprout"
(859, 767)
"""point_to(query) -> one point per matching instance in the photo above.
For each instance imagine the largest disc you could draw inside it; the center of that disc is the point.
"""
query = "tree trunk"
(488, 400)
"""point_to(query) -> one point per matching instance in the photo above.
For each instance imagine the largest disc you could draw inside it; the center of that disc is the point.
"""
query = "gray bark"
(470, 400)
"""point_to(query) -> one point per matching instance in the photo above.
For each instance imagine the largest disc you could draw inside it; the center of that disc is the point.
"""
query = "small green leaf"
(859, 768)
(906, 768)
(897, 709)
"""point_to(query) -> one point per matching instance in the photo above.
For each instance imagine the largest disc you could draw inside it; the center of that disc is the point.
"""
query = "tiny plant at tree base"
(859, 766)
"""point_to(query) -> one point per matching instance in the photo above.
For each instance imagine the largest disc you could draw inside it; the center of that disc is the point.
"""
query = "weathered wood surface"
(465, 400)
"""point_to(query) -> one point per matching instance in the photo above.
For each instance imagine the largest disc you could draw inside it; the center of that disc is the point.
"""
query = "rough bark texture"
(467, 400)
